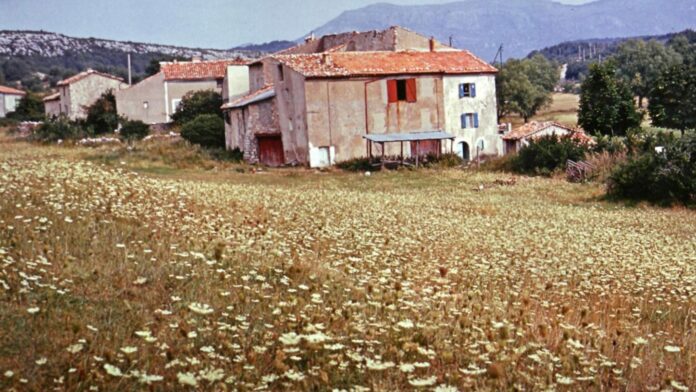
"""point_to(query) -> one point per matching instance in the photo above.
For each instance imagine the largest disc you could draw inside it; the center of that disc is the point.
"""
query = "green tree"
(640, 63)
(207, 130)
(606, 103)
(134, 130)
(672, 101)
(685, 47)
(30, 108)
(524, 86)
(196, 103)
(16, 69)
(102, 115)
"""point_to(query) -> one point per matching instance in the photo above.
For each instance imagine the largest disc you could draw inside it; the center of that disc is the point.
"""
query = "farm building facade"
(78, 92)
(516, 139)
(156, 98)
(9, 99)
(316, 108)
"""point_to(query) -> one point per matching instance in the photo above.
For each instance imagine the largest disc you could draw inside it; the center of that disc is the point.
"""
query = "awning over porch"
(408, 137)
(412, 137)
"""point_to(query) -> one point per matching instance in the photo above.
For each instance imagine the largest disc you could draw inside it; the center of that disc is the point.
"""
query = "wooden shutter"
(476, 122)
(461, 90)
(411, 90)
(392, 91)
(472, 89)
(464, 121)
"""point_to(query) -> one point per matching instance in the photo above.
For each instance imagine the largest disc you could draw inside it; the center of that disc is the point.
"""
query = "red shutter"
(392, 91)
(411, 90)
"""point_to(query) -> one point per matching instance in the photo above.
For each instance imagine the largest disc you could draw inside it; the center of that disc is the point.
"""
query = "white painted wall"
(236, 82)
(484, 104)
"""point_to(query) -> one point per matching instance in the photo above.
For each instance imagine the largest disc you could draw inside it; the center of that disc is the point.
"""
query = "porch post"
(382, 155)
(417, 152)
(402, 153)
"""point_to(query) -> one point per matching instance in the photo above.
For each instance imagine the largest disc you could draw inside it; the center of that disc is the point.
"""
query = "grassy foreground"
(118, 276)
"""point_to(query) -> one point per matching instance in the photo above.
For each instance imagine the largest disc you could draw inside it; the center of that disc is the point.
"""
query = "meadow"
(119, 271)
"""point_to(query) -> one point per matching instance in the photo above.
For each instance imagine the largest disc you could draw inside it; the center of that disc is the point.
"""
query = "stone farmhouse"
(78, 92)
(325, 100)
(520, 137)
(9, 99)
(156, 98)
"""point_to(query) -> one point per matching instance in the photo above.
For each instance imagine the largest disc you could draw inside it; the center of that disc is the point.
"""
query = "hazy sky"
(201, 23)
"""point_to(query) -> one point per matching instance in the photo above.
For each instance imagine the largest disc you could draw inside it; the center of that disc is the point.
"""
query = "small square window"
(467, 90)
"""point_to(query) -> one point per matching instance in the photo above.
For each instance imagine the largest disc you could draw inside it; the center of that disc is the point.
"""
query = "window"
(470, 120)
(146, 104)
(281, 76)
(175, 105)
(401, 90)
(467, 90)
(219, 83)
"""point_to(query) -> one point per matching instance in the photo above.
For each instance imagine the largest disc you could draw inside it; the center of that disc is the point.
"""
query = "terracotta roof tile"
(10, 90)
(198, 70)
(52, 97)
(344, 64)
(533, 127)
(263, 94)
(82, 75)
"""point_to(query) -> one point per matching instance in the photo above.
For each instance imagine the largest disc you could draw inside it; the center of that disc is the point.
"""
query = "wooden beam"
(402, 153)
(382, 156)
(417, 152)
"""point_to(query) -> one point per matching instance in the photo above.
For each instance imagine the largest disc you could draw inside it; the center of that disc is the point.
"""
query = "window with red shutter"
(392, 91)
(411, 90)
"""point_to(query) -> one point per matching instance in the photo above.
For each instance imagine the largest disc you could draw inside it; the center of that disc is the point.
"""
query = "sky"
(194, 23)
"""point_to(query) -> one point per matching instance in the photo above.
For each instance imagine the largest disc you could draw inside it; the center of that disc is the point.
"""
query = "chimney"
(309, 38)
(325, 59)
(432, 44)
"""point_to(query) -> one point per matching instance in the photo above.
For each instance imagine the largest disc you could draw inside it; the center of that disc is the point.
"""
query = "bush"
(30, 108)
(60, 129)
(197, 103)
(666, 177)
(357, 165)
(134, 130)
(207, 130)
(546, 154)
(102, 115)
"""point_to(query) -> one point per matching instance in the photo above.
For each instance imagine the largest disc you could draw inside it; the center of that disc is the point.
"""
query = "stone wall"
(86, 91)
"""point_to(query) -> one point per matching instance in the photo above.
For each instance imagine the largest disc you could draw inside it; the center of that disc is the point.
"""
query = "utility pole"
(450, 41)
(130, 74)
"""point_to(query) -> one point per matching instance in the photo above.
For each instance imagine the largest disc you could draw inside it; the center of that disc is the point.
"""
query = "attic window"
(401, 90)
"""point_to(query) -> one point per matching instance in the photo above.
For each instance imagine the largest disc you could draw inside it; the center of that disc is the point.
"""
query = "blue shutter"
(476, 122)
(463, 117)
(473, 90)
(461, 90)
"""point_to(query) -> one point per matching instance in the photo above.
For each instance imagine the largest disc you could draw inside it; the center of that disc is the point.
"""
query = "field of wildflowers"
(433, 280)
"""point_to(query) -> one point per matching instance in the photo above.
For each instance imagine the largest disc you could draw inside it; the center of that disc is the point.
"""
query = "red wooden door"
(271, 150)
(426, 147)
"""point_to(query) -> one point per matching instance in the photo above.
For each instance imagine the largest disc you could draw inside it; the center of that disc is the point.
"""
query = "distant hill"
(521, 25)
(580, 53)
(268, 47)
(28, 55)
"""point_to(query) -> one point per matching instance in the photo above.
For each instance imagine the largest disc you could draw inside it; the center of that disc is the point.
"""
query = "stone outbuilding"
(519, 137)
(52, 105)
(9, 99)
(157, 97)
(78, 92)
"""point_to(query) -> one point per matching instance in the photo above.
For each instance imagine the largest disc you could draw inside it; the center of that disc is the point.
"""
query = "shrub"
(60, 129)
(134, 130)
(666, 177)
(30, 108)
(207, 130)
(197, 103)
(357, 165)
(546, 154)
(102, 115)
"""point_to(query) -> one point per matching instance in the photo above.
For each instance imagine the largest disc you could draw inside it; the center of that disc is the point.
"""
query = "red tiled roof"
(82, 75)
(533, 127)
(52, 97)
(267, 92)
(10, 90)
(198, 70)
(343, 64)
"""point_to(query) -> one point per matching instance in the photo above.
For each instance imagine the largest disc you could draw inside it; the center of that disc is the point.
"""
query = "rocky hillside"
(522, 25)
(45, 44)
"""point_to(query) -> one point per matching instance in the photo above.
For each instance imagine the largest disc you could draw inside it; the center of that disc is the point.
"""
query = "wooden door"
(271, 150)
(426, 147)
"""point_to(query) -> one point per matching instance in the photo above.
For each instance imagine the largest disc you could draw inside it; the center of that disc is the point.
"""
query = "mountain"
(267, 47)
(38, 58)
(521, 25)
(45, 44)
